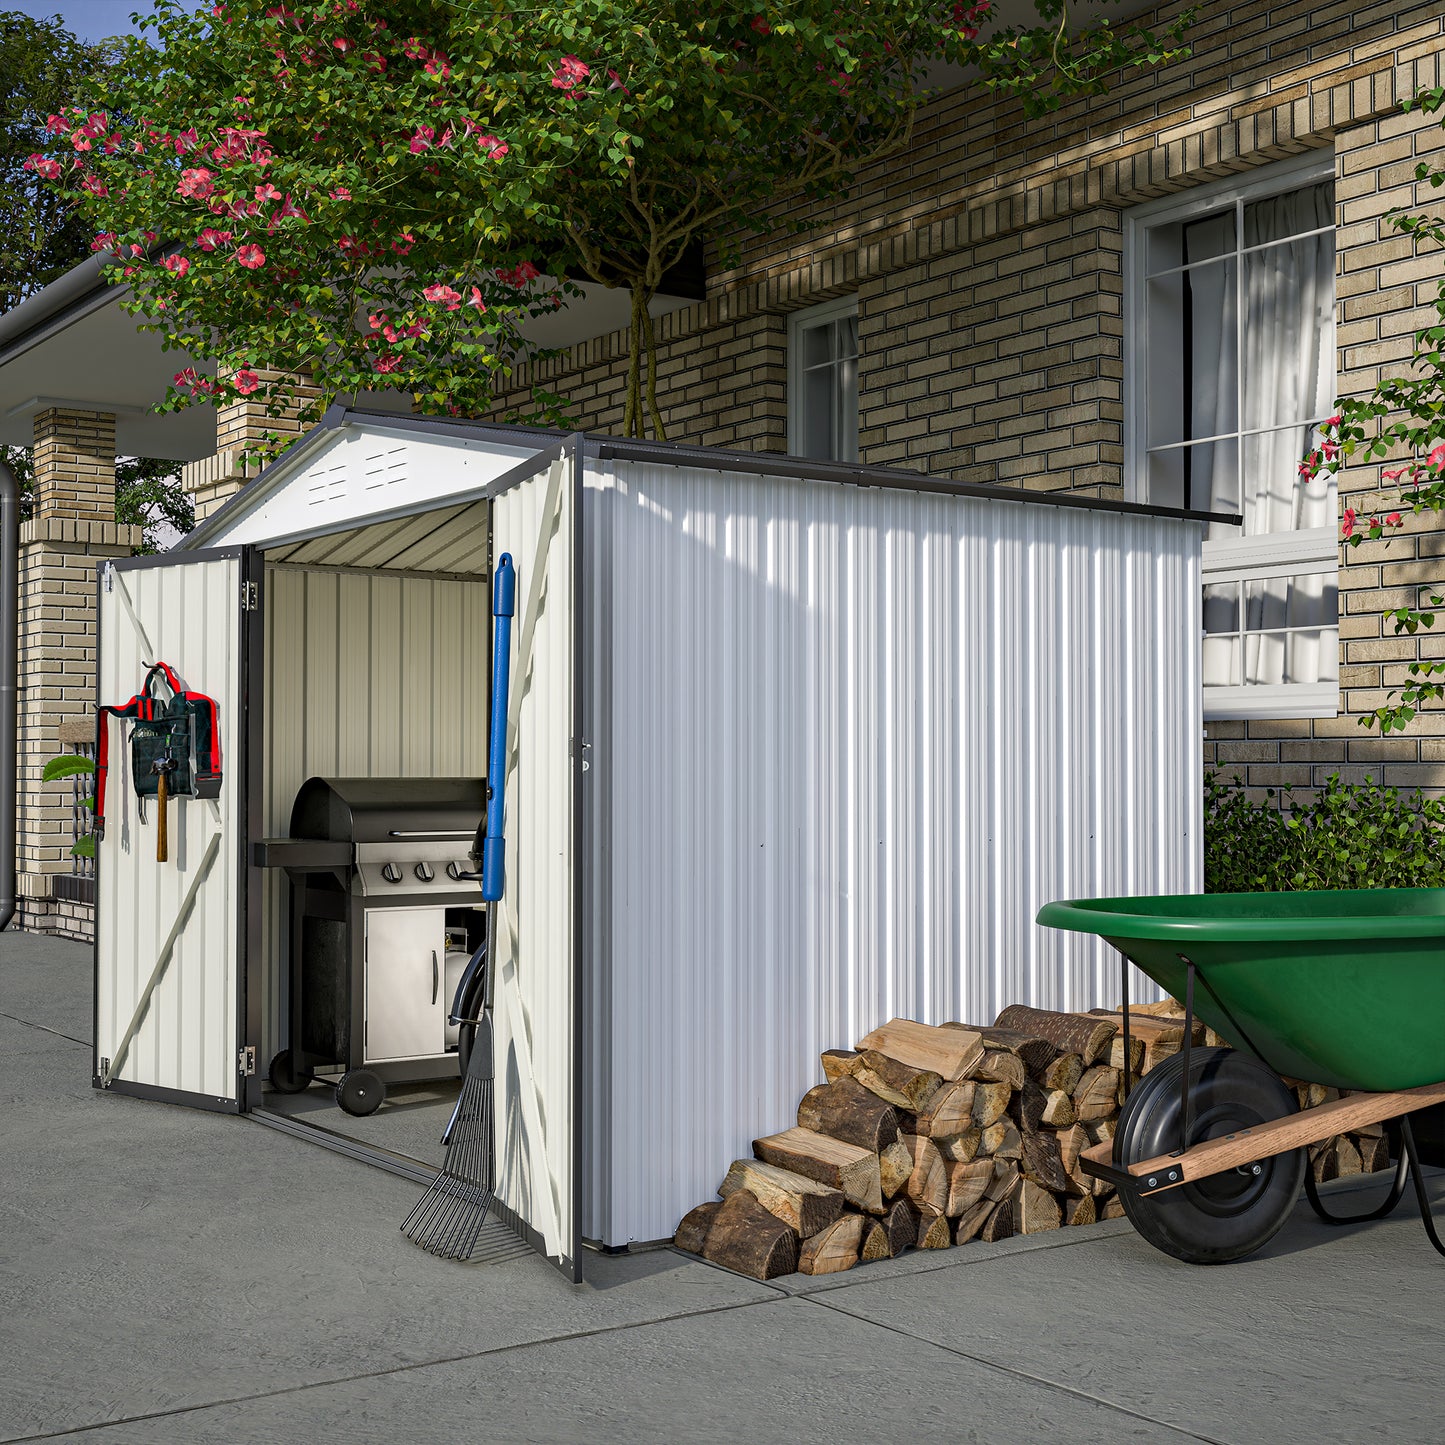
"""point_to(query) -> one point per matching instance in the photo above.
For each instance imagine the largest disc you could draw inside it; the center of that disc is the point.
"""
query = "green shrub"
(1348, 835)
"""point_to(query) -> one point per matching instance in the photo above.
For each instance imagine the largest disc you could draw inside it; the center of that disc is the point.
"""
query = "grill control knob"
(424, 872)
(391, 872)
(455, 870)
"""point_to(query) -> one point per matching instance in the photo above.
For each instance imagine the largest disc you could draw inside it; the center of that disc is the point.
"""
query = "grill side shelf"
(302, 855)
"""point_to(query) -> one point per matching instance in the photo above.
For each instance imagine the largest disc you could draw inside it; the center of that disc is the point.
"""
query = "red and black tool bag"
(181, 726)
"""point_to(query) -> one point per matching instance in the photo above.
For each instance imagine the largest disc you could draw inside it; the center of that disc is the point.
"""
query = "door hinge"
(250, 597)
(105, 1073)
(108, 576)
(248, 1061)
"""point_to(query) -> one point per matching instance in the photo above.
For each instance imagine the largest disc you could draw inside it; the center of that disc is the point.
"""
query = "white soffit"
(359, 474)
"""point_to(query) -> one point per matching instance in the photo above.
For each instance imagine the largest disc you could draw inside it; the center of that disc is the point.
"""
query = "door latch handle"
(435, 977)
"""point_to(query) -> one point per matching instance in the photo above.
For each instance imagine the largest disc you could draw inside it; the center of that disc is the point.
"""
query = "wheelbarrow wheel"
(360, 1092)
(1226, 1216)
(285, 1077)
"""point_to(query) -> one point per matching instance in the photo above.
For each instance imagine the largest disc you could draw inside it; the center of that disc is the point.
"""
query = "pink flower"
(340, 194)
(1347, 527)
(1393, 520)
(1437, 455)
(569, 76)
(477, 301)
(251, 256)
(403, 243)
(1395, 473)
(196, 184)
(210, 238)
(384, 364)
(343, 44)
(437, 64)
(56, 124)
(423, 140)
(246, 381)
(105, 241)
(761, 25)
(43, 166)
(519, 275)
(267, 192)
(443, 293)
(95, 186)
(494, 148)
(1334, 420)
(617, 84)
(179, 264)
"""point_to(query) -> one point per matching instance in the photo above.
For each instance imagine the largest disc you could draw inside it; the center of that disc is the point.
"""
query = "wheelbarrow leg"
(1396, 1194)
(1427, 1217)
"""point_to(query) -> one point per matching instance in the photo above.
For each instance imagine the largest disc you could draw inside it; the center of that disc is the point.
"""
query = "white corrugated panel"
(845, 742)
(185, 614)
(534, 958)
(366, 676)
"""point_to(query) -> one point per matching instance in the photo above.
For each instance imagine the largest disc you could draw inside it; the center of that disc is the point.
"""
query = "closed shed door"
(170, 936)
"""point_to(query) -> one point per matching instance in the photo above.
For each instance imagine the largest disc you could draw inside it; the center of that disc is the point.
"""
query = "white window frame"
(799, 322)
(1312, 551)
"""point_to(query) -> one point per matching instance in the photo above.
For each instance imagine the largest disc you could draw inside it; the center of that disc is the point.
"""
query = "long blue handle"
(494, 845)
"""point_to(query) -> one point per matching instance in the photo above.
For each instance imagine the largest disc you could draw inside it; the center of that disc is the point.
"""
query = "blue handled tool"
(494, 847)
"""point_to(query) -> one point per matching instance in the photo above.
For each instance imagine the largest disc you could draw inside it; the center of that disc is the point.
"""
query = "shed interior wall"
(368, 674)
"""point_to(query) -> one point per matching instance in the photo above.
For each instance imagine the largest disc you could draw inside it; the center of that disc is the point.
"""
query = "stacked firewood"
(930, 1136)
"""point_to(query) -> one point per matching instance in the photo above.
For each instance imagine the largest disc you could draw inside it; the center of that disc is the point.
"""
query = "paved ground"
(168, 1275)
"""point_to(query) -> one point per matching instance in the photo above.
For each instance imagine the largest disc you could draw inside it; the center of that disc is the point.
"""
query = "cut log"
(959, 1148)
(1075, 1033)
(1072, 1142)
(928, 1181)
(1058, 1110)
(935, 1231)
(875, 1242)
(1042, 1162)
(838, 1064)
(846, 1110)
(1116, 1050)
(1317, 1094)
(949, 1111)
(1005, 1177)
(1000, 1224)
(989, 1103)
(1001, 1067)
(1026, 1108)
(973, 1220)
(833, 1249)
(1081, 1210)
(949, 1053)
(1063, 1073)
(1032, 1050)
(692, 1232)
(966, 1185)
(902, 1085)
(895, 1164)
(1036, 1211)
(1098, 1093)
(1344, 1159)
(1100, 1129)
(1161, 1037)
(844, 1166)
(747, 1238)
(801, 1203)
(1122, 1094)
(1001, 1141)
(901, 1222)
(1374, 1153)
(1113, 1208)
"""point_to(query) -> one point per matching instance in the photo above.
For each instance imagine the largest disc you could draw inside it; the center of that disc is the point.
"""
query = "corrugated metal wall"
(845, 742)
(535, 1006)
(367, 675)
(187, 615)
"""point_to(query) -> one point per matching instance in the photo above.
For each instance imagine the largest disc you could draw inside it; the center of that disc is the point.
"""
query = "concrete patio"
(170, 1275)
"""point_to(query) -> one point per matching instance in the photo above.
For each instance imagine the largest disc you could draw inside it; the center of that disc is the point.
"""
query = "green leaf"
(68, 765)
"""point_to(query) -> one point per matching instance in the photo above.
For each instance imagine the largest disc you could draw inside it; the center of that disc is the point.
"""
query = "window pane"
(1221, 607)
(1203, 477)
(1289, 332)
(1191, 382)
(1272, 658)
(817, 345)
(1275, 497)
(1278, 602)
(1272, 218)
(1177, 242)
(845, 441)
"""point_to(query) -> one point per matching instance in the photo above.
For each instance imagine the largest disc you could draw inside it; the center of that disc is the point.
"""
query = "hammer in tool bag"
(163, 767)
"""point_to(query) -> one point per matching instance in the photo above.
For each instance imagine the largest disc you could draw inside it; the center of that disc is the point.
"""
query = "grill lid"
(378, 810)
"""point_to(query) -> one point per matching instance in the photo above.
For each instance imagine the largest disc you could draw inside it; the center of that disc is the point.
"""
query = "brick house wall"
(988, 266)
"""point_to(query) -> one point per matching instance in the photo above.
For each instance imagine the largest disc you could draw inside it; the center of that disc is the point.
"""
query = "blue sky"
(88, 19)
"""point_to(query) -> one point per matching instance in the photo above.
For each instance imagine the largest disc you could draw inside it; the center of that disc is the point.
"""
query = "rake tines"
(449, 1216)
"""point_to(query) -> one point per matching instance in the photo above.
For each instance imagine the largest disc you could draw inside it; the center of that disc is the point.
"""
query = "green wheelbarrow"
(1345, 989)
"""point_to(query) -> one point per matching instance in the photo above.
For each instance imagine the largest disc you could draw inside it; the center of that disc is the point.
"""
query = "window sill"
(1250, 704)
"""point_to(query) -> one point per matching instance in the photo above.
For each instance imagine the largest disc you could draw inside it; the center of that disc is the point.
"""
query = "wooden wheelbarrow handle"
(163, 770)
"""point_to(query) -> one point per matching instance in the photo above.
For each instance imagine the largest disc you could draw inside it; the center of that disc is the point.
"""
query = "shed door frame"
(240, 752)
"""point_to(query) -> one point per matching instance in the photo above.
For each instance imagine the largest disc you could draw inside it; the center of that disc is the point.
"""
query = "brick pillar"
(72, 531)
(240, 426)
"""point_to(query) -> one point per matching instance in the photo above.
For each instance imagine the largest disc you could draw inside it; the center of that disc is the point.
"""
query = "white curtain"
(1286, 349)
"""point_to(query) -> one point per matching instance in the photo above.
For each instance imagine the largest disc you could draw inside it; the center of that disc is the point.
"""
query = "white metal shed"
(795, 747)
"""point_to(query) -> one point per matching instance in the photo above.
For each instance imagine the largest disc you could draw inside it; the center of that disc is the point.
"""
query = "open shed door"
(535, 934)
(171, 937)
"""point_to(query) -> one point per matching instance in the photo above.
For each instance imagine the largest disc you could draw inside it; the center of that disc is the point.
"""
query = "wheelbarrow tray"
(1343, 988)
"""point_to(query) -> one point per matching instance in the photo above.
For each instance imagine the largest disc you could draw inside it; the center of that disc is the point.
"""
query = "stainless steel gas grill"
(383, 921)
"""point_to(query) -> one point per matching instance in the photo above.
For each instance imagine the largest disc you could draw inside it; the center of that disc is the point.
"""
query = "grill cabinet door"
(406, 998)
(171, 937)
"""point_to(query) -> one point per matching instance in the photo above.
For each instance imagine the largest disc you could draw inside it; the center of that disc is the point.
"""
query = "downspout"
(9, 650)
